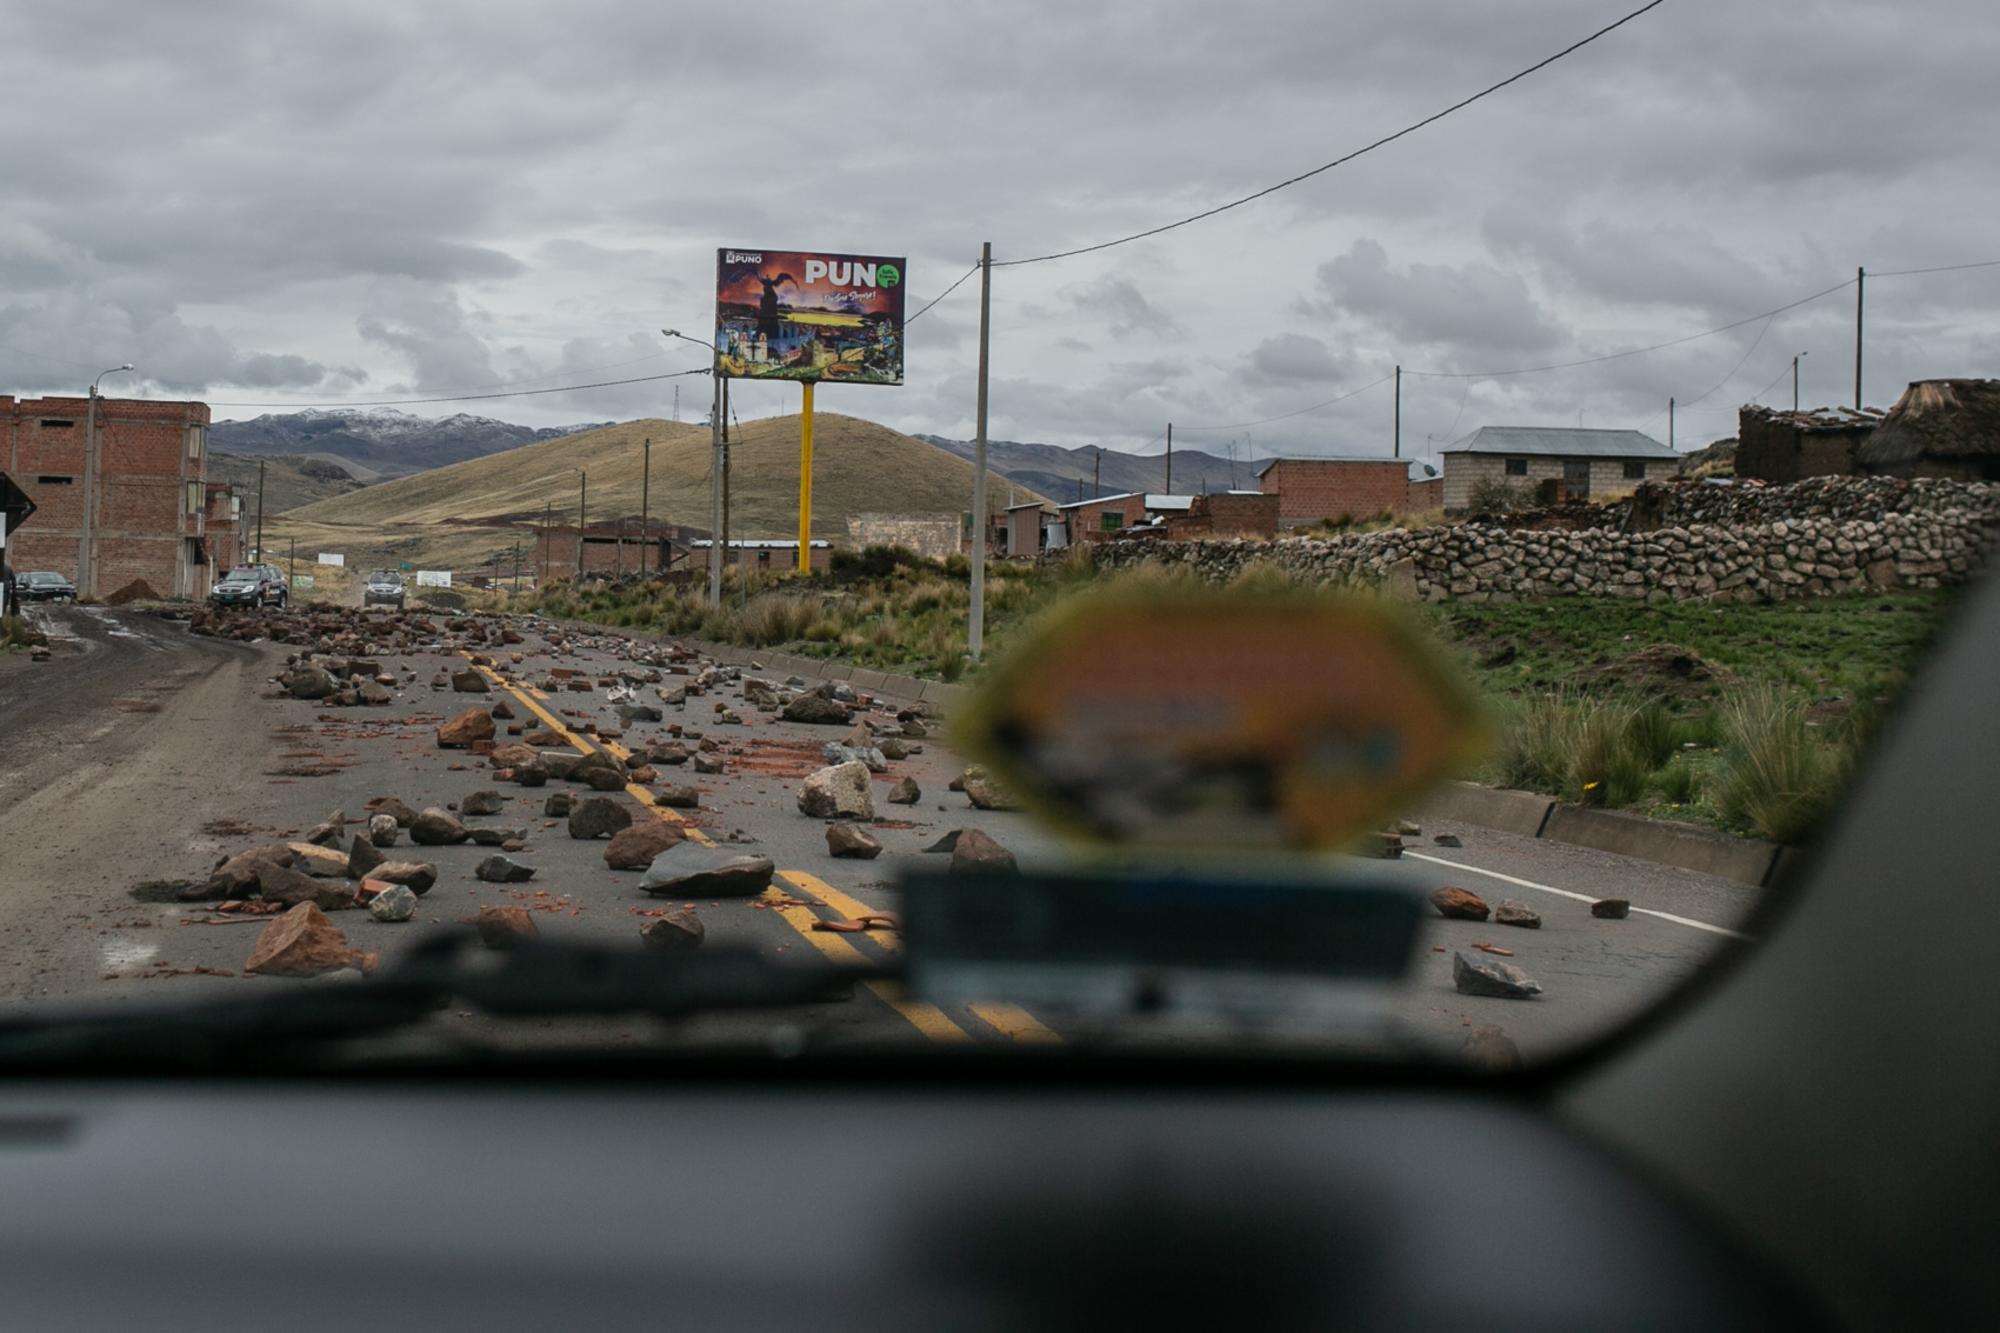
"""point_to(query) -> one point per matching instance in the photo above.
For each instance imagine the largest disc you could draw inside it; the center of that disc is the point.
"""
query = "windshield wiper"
(538, 980)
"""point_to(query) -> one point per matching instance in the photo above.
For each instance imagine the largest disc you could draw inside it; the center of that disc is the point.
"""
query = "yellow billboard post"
(806, 479)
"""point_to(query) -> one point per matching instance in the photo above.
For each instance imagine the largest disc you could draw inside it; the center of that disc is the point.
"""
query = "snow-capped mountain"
(381, 440)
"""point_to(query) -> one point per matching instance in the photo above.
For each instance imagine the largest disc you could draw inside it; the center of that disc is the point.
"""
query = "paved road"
(143, 753)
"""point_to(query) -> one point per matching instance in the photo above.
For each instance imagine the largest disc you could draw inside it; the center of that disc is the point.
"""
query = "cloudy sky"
(260, 202)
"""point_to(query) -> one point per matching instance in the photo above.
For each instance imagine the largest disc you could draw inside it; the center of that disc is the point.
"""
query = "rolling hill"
(468, 512)
(1066, 474)
(378, 441)
(290, 480)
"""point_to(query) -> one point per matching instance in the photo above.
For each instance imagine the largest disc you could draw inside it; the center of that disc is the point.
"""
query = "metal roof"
(1418, 470)
(1559, 442)
(1151, 500)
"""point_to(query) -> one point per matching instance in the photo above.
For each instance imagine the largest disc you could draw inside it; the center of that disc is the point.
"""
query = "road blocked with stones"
(108, 889)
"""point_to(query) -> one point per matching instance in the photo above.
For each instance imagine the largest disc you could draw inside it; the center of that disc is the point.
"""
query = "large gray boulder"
(690, 870)
(838, 791)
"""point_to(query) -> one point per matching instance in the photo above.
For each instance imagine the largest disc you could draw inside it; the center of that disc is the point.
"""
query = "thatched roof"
(1937, 419)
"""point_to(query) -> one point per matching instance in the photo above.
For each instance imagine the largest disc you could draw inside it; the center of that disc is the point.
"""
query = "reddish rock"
(677, 931)
(505, 927)
(514, 755)
(1459, 904)
(634, 847)
(851, 840)
(976, 853)
(303, 943)
(474, 724)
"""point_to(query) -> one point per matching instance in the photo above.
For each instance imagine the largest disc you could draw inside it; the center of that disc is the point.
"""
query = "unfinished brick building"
(125, 503)
(1784, 447)
(1317, 490)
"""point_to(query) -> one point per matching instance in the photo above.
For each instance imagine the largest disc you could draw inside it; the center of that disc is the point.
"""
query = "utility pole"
(292, 563)
(975, 629)
(1670, 423)
(548, 541)
(1096, 476)
(261, 557)
(645, 490)
(1795, 382)
(1170, 458)
(715, 488)
(517, 564)
(1860, 286)
(725, 465)
(677, 404)
(1396, 438)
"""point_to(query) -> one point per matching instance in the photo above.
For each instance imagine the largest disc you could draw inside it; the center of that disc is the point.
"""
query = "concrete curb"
(1742, 859)
(1687, 846)
(1521, 812)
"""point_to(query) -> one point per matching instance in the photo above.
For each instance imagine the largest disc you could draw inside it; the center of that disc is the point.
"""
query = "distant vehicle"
(251, 585)
(385, 588)
(43, 585)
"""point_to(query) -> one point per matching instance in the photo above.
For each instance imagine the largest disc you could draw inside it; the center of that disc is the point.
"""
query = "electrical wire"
(940, 296)
(472, 397)
(1676, 405)
(1632, 351)
(1287, 416)
(1349, 157)
(1941, 268)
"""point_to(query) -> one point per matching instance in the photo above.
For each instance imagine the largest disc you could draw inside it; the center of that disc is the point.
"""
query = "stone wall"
(1923, 543)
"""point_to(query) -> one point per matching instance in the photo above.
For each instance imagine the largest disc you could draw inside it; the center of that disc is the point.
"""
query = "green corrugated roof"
(1559, 442)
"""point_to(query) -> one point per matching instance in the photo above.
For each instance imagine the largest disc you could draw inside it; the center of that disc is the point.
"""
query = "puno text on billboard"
(810, 316)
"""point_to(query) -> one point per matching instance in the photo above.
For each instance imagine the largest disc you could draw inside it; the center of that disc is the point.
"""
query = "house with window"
(1555, 464)
(1094, 520)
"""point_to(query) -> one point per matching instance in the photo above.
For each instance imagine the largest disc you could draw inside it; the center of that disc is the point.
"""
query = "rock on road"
(145, 753)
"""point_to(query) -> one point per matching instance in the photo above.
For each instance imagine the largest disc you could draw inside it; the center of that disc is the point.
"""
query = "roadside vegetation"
(1747, 717)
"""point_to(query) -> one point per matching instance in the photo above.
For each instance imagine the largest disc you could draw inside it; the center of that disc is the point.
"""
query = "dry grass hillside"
(857, 466)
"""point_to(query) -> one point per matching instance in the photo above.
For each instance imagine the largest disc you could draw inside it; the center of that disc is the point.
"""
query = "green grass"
(1743, 716)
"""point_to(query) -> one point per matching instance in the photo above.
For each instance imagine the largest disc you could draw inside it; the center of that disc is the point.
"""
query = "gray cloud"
(291, 196)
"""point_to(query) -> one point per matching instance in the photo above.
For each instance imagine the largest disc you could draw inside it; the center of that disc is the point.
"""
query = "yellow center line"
(1010, 1020)
(925, 1018)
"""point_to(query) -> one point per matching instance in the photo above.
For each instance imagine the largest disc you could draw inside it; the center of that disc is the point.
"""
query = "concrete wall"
(1463, 472)
(145, 518)
(933, 535)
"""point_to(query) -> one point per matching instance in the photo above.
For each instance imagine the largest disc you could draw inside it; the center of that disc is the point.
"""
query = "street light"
(1795, 381)
(86, 563)
(715, 466)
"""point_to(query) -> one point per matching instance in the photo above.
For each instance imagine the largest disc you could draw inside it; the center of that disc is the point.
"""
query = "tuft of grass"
(1777, 777)
(1649, 733)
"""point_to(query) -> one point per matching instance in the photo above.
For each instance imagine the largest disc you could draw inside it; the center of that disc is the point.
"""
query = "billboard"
(433, 578)
(807, 315)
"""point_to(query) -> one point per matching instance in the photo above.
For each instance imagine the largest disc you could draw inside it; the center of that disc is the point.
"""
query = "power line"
(1308, 175)
(1287, 416)
(1632, 351)
(940, 296)
(471, 397)
(1941, 268)
(1740, 361)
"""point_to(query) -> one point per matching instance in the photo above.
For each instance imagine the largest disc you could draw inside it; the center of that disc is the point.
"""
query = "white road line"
(1580, 897)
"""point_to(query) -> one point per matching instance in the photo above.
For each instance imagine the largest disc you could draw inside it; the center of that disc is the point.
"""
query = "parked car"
(44, 585)
(385, 588)
(251, 585)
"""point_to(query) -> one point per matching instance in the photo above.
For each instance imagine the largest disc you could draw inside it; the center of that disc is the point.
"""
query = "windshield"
(1459, 500)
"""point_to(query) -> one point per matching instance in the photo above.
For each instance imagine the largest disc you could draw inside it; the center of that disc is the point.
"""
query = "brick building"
(606, 549)
(223, 537)
(1785, 447)
(1095, 520)
(130, 504)
(1553, 463)
(1317, 490)
(1225, 515)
